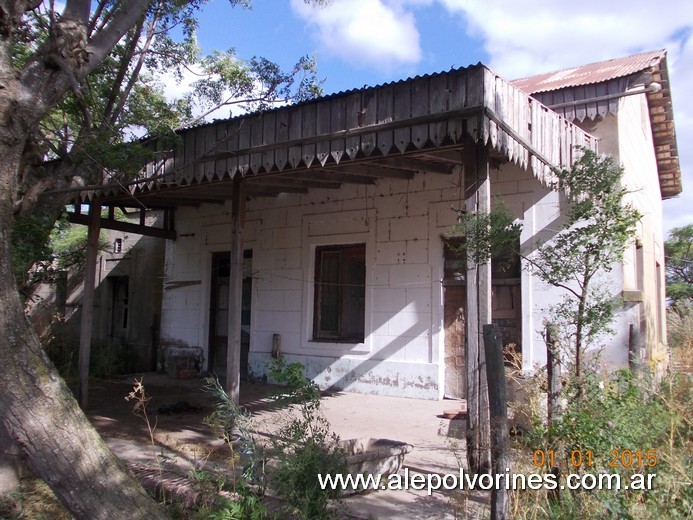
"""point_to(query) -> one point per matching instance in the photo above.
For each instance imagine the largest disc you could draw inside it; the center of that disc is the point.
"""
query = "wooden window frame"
(341, 334)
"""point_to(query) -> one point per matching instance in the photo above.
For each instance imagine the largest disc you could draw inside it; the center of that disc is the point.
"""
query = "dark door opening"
(119, 289)
(219, 312)
(454, 314)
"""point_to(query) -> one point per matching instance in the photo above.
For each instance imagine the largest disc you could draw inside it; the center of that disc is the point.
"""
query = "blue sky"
(368, 42)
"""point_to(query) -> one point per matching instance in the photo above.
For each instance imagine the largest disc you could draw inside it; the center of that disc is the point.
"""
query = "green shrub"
(304, 446)
(615, 414)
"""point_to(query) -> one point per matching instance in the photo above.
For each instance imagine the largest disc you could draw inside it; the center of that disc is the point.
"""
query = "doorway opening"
(219, 311)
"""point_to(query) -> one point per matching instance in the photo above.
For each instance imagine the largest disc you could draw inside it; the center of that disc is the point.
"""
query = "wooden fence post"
(634, 349)
(477, 188)
(554, 382)
(498, 412)
(553, 372)
(88, 305)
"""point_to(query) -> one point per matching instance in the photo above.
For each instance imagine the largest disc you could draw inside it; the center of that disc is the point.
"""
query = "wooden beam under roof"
(274, 180)
(453, 157)
(373, 171)
(336, 176)
(126, 227)
(418, 165)
(254, 189)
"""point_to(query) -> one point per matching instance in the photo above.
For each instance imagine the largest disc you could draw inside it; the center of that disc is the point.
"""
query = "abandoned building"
(322, 230)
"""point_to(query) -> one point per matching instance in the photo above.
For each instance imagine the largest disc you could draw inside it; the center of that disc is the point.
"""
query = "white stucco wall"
(627, 137)
(641, 178)
(401, 222)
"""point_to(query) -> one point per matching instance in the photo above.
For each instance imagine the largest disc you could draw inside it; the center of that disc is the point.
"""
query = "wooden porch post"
(477, 199)
(233, 352)
(88, 306)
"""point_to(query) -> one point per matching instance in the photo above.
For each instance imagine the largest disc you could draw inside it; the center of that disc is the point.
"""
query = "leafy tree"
(72, 83)
(90, 132)
(598, 226)
(678, 250)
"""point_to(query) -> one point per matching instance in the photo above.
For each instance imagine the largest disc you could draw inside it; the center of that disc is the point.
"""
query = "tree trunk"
(39, 411)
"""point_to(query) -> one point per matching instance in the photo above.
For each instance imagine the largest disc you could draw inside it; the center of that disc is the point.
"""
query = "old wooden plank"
(338, 123)
(178, 170)
(457, 99)
(243, 143)
(256, 139)
(614, 86)
(281, 154)
(591, 107)
(206, 144)
(233, 360)
(309, 129)
(402, 111)
(188, 156)
(353, 120)
(419, 107)
(438, 102)
(324, 114)
(295, 130)
(498, 414)
(269, 129)
(475, 85)
(602, 106)
(385, 110)
(369, 116)
(85, 328)
(477, 199)
(553, 368)
(221, 133)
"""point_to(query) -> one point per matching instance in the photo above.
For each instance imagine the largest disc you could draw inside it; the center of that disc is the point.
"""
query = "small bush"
(304, 446)
(615, 414)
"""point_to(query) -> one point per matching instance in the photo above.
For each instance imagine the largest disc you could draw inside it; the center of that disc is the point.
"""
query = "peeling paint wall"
(402, 223)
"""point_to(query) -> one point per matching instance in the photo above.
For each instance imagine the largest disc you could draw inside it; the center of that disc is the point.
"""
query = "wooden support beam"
(634, 349)
(233, 353)
(126, 227)
(477, 199)
(498, 413)
(373, 171)
(257, 190)
(553, 374)
(348, 178)
(276, 181)
(88, 306)
(419, 165)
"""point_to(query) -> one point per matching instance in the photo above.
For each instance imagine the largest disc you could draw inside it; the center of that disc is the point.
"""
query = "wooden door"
(454, 314)
(455, 299)
(219, 312)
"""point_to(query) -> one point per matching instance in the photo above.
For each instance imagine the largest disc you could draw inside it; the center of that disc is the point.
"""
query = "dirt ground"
(173, 432)
(180, 433)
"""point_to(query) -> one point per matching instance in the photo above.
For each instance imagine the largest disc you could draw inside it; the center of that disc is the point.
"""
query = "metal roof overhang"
(594, 90)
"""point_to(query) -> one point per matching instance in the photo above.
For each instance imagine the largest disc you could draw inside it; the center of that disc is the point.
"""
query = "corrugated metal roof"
(589, 74)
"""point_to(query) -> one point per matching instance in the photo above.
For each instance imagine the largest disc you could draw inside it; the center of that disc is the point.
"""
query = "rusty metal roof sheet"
(590, 74)
(593, 90)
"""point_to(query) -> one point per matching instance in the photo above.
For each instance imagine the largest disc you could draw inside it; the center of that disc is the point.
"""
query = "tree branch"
(548, 278)
(151, 26)
(104, 41)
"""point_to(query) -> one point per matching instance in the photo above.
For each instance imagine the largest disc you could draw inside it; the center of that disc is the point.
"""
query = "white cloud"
(527, 37)
(379, 33)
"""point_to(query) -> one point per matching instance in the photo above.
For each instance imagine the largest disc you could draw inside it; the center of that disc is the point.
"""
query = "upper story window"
(118, 245)
(340, 293)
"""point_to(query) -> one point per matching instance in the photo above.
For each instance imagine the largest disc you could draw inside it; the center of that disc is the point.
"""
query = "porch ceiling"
(299, 180)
